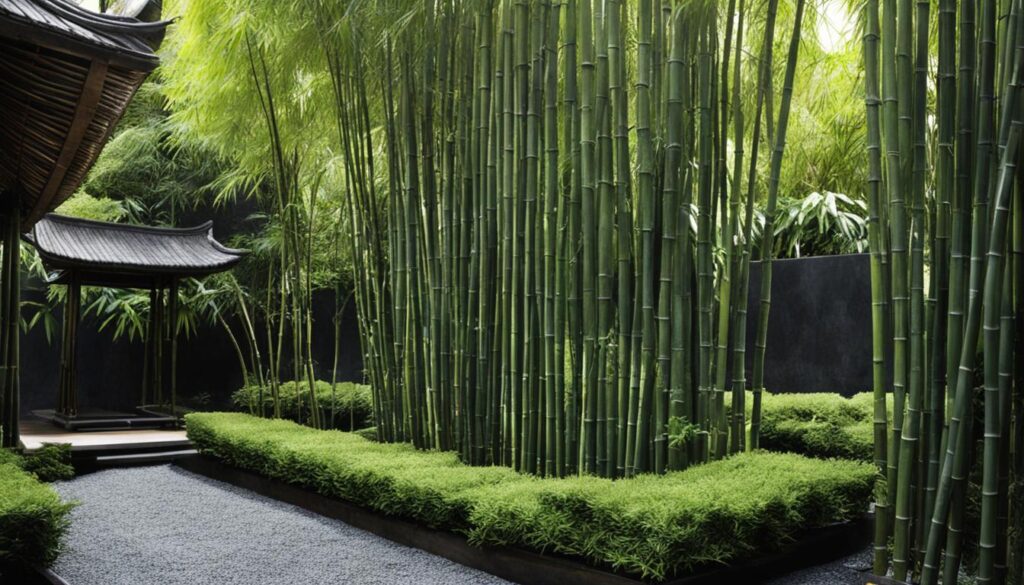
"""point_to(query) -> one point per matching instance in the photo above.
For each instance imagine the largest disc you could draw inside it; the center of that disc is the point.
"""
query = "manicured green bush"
(818, 425)
(8, 457)
(653, 526)
(351, 404)
(369, 433)
(51, 462)
(32, 517)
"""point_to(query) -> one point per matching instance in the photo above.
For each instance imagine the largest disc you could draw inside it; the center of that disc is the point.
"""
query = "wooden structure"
(106, 448)
(80, 252)
(66, 77)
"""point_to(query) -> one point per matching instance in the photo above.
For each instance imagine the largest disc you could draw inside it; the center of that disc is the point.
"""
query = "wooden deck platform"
(35, 432)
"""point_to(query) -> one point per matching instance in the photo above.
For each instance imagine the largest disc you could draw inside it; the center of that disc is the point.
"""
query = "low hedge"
(51, 462)
(818, 425)
(369, 433)
(350, 403)
(32, 517)
(652, 526)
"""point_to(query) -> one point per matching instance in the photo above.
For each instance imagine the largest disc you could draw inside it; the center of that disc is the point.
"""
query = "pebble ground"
(162, 524)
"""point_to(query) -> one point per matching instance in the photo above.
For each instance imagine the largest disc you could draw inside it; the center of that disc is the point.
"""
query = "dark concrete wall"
(819, 340)
(819, 327)
(110, 372)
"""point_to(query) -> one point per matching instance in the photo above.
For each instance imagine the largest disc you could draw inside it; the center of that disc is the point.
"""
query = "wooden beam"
(92, 91)
(68, 402)
(152, 338)
(9, 326)
(28, 32)
(174, 345)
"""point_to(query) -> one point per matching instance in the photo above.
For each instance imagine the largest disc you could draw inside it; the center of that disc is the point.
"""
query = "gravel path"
(165, 525)
(849, 570)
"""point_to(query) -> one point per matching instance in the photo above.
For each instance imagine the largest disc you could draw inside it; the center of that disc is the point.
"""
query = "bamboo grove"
(946, 261)
(557, 279)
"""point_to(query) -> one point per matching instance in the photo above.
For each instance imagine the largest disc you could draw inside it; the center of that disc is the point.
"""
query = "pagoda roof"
(66, 76)
(124, 255)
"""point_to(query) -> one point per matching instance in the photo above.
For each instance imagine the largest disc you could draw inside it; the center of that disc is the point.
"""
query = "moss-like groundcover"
(346, 405)
(652, 526)
(819, 424)
(32, 517)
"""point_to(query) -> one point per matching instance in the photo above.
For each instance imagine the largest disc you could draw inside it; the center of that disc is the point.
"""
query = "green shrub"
(369, 433)
(51, 462)
(653, 526)
(8, 457)
(350, 404)
(818, 425)
(32, 517)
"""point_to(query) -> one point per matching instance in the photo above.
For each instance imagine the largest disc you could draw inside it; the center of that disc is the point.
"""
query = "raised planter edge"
(525, 566)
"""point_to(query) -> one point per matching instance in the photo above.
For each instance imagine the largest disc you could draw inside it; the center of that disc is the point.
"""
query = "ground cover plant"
(51, 462)
(650, 525)
(345, 405)
(819, 425)
(32, 517)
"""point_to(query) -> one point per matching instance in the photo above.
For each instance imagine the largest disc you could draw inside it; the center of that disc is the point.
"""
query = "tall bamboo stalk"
(768, 234)
(529, 296)
(936, 341)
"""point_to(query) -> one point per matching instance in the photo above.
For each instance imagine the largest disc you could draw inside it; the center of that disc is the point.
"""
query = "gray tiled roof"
(117, 34)
(66, 77)
(73, 243)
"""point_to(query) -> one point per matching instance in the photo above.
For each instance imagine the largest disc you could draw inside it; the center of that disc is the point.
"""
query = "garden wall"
(819, 333)
(819, 340)
(110, 372)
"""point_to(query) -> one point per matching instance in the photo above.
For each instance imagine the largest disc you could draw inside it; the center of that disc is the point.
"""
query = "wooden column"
(173, 332)
(10, 302)
(67, 398)
(158, 346)
(152, 339)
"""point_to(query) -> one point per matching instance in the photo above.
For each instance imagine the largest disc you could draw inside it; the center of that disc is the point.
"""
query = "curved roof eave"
(69, 28)
(96, 247)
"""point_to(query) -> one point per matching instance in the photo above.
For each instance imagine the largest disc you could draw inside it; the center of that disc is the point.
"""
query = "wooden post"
(152, 339)
(5, 393)
(158, 345)
(174, 344)
(10, 300)
(67, 401)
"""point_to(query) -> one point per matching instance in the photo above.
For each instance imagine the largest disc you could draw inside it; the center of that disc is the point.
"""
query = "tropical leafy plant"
(819, 224)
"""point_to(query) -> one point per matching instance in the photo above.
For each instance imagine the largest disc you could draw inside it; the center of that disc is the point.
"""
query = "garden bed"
(655, 528)
(32, 518)
(819, 425)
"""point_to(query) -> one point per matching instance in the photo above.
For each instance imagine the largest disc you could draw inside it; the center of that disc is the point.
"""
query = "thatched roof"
(117, 254)
(66, 77)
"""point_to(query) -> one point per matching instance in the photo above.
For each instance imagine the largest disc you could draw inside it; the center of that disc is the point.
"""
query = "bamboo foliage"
(531, 291)
(958, 237)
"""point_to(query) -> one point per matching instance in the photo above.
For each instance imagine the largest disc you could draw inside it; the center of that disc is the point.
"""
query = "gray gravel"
(849, 570)
(165, 525)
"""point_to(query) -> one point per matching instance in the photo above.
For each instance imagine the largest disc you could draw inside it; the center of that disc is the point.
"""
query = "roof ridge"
(200, 229)
(120, 253)
(113, 22)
